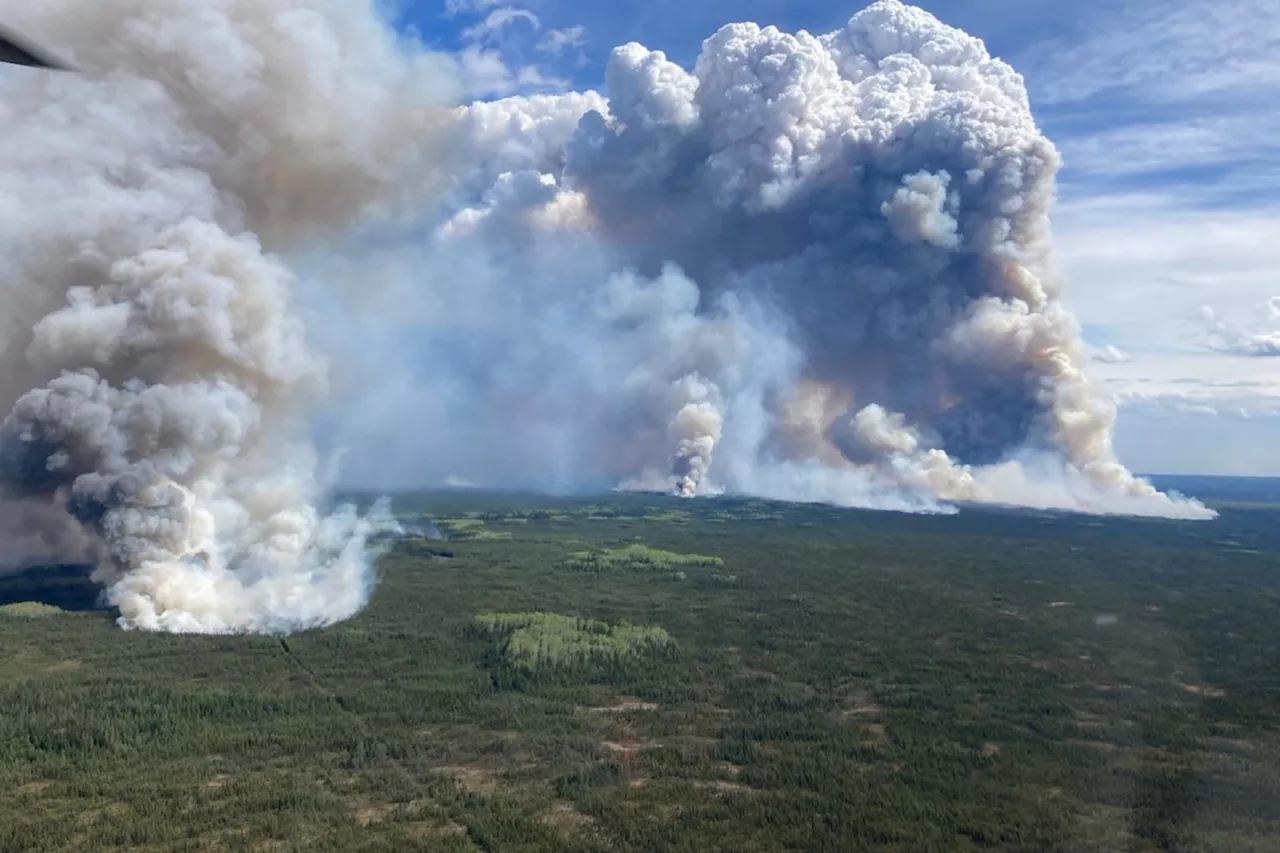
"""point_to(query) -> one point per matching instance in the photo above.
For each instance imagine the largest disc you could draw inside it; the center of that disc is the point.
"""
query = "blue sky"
(1170, 192)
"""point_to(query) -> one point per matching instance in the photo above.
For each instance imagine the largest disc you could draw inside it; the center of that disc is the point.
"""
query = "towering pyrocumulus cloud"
(811, 267)
(156, 375)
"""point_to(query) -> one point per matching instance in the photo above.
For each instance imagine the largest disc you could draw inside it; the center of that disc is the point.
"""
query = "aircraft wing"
(16, 50)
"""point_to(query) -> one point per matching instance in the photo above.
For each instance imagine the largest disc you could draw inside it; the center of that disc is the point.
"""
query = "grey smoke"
(157, 374)
(810, 267)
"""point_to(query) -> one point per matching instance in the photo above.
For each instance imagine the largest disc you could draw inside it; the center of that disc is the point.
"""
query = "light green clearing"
(534, 641)
(637, 558)
(30, 609)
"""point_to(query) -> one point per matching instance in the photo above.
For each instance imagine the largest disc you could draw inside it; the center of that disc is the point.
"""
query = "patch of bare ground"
(217, 782)
(93, 816)
(758, 675)
(1100, 745)
(1202, 690)
(628, 747)
(990, 750)
(368, 815)
(720, 786)
(877, 731)
(564, 817)
(473, 779)
(733, 771)
(854, 707)
(425, 831)
(1223, 744)
(621, 748)
(64, 666)
(33, 788)
(624, 706)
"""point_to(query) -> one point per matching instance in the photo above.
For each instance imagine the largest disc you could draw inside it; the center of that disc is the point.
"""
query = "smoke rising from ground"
(811, 267)
(157, 378)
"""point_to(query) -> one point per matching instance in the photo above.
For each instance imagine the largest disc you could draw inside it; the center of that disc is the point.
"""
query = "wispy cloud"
(1244, 141)
(1257, 337)
(1141, 263)
(498, 20)
(1203, 383)
(1174, 94)
(497, 50)
(1110, 354)
(485, 73)
(457, 7)
(1164, 51)
(558, 41)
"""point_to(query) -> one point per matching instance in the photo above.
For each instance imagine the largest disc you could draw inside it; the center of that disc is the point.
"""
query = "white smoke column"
(828, 274)
(156, 372)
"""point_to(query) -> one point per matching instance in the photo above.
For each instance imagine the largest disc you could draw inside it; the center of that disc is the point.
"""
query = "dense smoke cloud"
(812, 267)
(157, 379)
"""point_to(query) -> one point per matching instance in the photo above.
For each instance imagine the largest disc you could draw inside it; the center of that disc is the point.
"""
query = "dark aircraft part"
(16, 50)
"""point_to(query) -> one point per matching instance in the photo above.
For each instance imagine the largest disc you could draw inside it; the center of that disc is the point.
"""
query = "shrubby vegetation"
(535, 641)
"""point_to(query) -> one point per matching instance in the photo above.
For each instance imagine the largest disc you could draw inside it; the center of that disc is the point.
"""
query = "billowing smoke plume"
(812, 267)
(156, 377)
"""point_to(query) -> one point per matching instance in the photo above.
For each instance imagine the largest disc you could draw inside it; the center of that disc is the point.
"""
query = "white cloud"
(498, 20)
(1110, 354)
(1164, 50)
(456, 7)
(1199, 382)
(530, 77)
(1138, 269)
(1258, 337)
(1176, 90)
(557, 41)
(1195, 413)
(485, 73)
(487, 69)
(1143, 264)
(1247, 139)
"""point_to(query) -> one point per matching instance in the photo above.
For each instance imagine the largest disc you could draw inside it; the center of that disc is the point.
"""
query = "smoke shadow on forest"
(67, 587)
